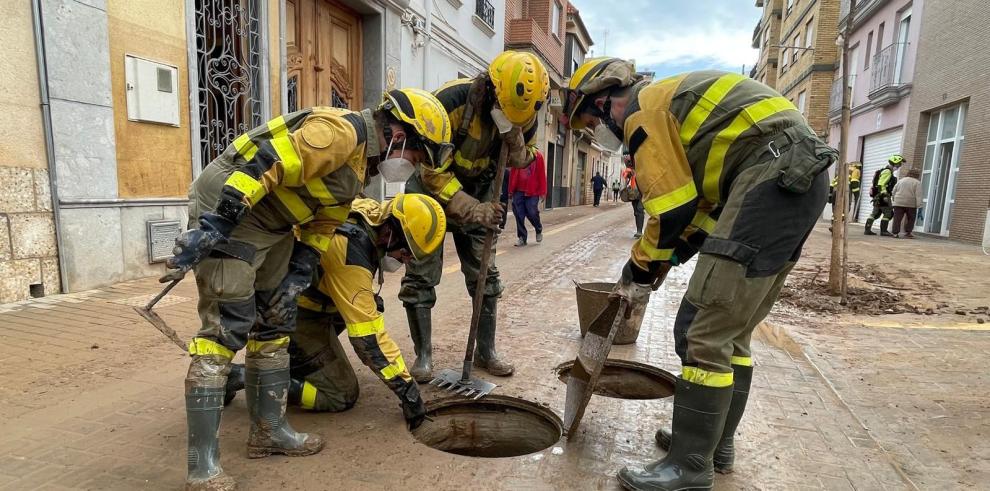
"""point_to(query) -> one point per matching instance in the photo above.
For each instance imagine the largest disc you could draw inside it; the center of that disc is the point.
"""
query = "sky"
(674, 36)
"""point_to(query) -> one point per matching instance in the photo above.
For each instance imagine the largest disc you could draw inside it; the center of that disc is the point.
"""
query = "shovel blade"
(474, 388)
(159, 323)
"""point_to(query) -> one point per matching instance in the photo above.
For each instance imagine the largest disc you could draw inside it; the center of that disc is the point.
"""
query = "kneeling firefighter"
(376, 237)
(301, 171)
(729, 169)
(498, 105)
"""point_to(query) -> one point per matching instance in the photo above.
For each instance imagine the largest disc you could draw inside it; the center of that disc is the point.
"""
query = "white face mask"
(390, 264)
(501, 120)
(606, 138)
(396, 169)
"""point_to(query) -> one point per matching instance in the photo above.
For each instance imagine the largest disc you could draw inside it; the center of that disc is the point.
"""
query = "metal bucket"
(592, 298)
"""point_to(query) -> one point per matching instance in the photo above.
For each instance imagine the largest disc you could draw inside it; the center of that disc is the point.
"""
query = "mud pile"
(870, 290)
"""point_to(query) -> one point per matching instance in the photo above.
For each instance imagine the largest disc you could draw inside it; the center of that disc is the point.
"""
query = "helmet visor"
(439, 154)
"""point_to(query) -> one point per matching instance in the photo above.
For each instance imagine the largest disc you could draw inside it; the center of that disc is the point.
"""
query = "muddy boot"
(724, 455)
(699, 416)
(204, 403)
(421, 330)
(869, 227)
(412, 405)
(884, 225)
(266, 384)
(484, 353)
(235, 383)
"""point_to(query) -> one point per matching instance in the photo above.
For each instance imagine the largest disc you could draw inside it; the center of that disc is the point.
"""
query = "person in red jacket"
(526, 187)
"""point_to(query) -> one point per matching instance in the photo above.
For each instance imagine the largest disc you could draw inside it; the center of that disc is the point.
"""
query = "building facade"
(580, 151)
(947, 134)
(882, 48)
(766, 38)
(137, 96)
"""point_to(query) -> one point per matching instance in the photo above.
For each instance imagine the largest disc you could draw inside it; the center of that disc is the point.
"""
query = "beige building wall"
(809, 71)
(28, 252)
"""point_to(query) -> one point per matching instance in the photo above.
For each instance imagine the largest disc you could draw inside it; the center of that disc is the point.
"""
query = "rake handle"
(486, 259)
(164, 292)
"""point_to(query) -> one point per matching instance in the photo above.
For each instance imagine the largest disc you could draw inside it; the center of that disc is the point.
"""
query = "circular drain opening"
(494, 426)
(623, 379)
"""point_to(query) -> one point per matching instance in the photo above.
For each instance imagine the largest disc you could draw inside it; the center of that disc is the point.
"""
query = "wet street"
(94, 398)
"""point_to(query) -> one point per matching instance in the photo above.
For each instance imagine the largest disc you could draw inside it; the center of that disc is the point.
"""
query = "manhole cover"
(623, 379)
(494, 426)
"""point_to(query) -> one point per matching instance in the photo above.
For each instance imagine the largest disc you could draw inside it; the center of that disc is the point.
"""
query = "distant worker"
(884, 181)
(723, 162)
(615, 189)
(506, 97)
(597, 187)
(855, 178)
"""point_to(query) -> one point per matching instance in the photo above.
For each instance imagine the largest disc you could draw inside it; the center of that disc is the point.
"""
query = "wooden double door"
(323, 54)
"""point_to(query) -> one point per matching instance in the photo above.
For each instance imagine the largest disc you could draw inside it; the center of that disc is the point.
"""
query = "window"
(853, 65)
(555, 19)
(796, 45)
(790, 4)
(869, 44)
(801, 101)
(946, 138)
(809, 34)
(903, 29)
(766, 37)
(785, 57)
(879, 38)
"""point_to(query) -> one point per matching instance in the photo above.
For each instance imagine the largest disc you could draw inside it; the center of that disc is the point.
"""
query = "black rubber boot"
(485, 356)
(699, 416)
(266, 385)
(412, 405)
(884, 225)
(421, 331)
(235, 383)
(869, 227)
(204, 405)
(724, 455)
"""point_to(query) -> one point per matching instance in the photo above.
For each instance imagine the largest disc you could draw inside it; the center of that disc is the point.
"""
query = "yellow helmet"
(896, 160)
(426, 115)
(423, 222)
(593, 76)
(521, 85)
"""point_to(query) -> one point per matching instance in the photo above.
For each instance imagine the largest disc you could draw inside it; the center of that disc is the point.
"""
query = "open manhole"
(494, 426)
(623, 379)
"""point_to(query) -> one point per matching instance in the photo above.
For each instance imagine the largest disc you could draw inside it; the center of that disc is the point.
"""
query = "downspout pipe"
(426, 44)
(46, 120)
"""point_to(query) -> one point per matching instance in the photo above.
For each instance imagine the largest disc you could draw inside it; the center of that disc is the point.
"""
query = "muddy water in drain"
(489, 427)
(628, 380)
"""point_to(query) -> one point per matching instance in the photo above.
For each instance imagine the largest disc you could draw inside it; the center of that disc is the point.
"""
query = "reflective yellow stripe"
(395, 369)
(706, 104)
(338, 212)
(277, 127)
(744, 361)
(318, 189)
(653, 253)
(245, 147)
(310, 304)
(450, 189)
(680, 196)
(296, 206)
(255, 346)
(291, 163)
(470, 164)
(720, 146)
(317, 241)
(368, 328)
(252, 190)
(308, 400)
(704, 222)
(201, 347)
(704, 377)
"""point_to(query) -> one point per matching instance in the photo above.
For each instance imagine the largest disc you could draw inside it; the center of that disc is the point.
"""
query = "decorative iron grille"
(292, 97)
(337, 101)
(486, 12)
(230, 51)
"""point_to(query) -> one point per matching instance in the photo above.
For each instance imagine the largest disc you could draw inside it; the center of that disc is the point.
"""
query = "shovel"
(157, 321)
(460, 382)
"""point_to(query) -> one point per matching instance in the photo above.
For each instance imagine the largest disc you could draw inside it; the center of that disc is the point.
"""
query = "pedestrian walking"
(630, 193)
(615, 190)
(598, 186)
(527, 186)
(907, 200)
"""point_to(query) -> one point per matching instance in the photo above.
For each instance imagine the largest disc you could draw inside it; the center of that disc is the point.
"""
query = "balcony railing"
(885, 67)
(486, 12)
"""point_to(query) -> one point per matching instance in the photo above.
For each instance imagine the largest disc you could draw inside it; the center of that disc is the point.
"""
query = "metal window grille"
(486, 12)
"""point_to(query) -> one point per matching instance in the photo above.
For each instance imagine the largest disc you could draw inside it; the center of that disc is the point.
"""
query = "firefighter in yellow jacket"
(498, 105)
(729, 169)
(302, 169)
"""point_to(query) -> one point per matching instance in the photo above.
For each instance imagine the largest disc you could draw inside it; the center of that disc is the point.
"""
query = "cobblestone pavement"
(91, 396)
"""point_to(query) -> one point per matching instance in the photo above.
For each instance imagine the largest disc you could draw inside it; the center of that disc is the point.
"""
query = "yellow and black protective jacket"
(346, 289)
(689, 136)
(477, 150)
(303, 169)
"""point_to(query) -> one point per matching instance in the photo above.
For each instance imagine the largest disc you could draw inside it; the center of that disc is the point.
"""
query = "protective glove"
(519, 155)
(635, 293)
(193, 245)
(462, 209)
(283, 305)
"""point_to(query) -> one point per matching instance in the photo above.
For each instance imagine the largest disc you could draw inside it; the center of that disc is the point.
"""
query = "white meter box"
(152, 91)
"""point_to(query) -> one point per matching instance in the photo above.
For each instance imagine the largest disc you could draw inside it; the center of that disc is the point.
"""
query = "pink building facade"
(882, 52)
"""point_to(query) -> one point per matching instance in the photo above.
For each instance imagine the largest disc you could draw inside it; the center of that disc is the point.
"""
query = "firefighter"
(302, 169)
(855, 178)
(881, 191)
(729, 169)
(508, 94)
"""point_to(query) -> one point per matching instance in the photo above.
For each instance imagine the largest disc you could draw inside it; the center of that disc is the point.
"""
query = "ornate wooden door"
(323, 48)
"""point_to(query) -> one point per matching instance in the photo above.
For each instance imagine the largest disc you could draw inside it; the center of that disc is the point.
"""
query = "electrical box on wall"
(152, 91)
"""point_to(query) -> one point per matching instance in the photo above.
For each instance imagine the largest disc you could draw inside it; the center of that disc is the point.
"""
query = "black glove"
(412, 406)
(214, 227)
(282, 307)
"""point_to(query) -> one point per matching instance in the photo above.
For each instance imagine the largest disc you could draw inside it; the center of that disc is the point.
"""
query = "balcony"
(486, 12)
(835, 99)
(886, 84)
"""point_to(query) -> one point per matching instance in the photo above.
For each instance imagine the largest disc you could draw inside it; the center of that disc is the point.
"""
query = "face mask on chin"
(606, 138)
(390, 264)
(396, 169)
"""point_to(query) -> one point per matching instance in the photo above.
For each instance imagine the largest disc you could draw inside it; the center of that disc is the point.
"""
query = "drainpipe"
(46, 120)
(427, 42)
